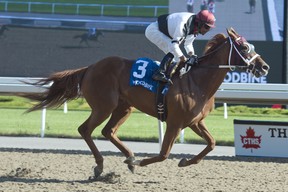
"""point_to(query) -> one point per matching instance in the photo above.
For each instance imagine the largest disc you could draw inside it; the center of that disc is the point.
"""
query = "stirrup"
(158, 76)
(162, 79)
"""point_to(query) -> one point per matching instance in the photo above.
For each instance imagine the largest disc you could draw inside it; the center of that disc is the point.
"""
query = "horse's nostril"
(266, 67)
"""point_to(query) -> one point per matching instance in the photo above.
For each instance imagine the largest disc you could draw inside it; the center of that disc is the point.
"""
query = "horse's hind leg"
(86, 130)
(118, 117)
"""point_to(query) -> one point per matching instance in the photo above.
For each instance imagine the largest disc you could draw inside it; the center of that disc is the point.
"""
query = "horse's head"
(244, 55)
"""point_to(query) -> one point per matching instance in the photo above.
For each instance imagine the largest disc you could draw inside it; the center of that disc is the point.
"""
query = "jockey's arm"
(176, 51)
(188, 45)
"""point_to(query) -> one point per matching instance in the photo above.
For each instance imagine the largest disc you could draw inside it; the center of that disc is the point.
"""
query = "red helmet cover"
(206, 17)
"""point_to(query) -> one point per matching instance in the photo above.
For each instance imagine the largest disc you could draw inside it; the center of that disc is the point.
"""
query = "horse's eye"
(246, 48)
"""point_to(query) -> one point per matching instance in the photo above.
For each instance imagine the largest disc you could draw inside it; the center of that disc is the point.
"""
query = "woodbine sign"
(243, 77)
(261, 138)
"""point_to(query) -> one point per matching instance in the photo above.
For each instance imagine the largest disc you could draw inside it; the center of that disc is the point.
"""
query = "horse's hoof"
(131, 161)
(97, 171)
(183, 162)
(131, 168)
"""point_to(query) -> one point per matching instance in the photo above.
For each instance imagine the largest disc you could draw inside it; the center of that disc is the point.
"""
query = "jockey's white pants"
(158, 38)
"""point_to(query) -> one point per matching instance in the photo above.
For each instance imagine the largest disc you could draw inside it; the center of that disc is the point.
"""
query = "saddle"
(141, 75)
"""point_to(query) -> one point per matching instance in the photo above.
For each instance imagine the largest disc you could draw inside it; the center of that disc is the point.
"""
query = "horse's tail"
(65, 86)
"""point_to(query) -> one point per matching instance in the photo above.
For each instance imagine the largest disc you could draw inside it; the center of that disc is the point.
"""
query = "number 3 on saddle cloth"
(141, 75)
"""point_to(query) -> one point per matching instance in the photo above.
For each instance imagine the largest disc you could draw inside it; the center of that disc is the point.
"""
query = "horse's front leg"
(169, 138)
(203, 132)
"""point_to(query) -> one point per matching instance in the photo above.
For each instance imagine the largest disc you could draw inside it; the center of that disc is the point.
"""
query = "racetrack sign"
(261, 138)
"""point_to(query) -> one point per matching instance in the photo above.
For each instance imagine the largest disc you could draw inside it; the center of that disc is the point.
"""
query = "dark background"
(38, 52)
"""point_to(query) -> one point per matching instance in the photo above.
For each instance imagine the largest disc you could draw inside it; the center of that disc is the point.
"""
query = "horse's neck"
(212, 80)
(209, 79)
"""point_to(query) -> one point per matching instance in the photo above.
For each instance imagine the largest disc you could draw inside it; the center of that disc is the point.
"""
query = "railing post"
(160, 127)
(128, 10)
(182, 133)
(225, 111)
(77, 9)
(155, 11)
(29, 7)
(102, 10)
(43, 122)
(6, 6)
(65, 108)
(53, 8)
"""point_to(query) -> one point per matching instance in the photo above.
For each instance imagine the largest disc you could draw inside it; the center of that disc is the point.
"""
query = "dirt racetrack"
(27, 170)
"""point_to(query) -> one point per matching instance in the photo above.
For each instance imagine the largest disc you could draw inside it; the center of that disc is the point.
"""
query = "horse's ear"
(232, 33)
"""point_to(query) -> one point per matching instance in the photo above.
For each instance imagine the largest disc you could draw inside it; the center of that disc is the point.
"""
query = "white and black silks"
(188, 28)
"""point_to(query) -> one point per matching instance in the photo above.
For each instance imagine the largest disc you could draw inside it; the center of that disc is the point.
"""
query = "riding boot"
(160, 75)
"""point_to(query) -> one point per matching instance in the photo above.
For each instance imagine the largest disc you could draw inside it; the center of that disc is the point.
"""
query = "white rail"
(251, 93)
(78, 6)
(12, 85)
(241, 93)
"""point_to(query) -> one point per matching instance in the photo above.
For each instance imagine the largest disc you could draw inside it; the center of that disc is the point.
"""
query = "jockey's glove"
(193, 60)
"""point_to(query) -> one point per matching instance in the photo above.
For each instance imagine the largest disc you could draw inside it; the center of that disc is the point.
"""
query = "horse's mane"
(214, 43)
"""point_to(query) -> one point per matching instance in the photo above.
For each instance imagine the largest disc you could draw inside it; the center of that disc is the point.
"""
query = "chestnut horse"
(105, 86)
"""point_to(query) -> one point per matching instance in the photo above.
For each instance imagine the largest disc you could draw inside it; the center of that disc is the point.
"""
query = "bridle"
(249, 61)
(250, 65)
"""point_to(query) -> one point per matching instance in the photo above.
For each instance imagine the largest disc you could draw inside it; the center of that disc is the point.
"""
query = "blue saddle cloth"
(141, 74)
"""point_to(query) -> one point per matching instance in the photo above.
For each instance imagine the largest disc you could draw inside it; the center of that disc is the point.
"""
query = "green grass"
(59, 124)
(88, 10)
(106, 2)
(138, 127)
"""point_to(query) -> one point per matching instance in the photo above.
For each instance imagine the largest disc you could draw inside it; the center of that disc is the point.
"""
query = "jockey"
(92, 32)
(170, 30)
